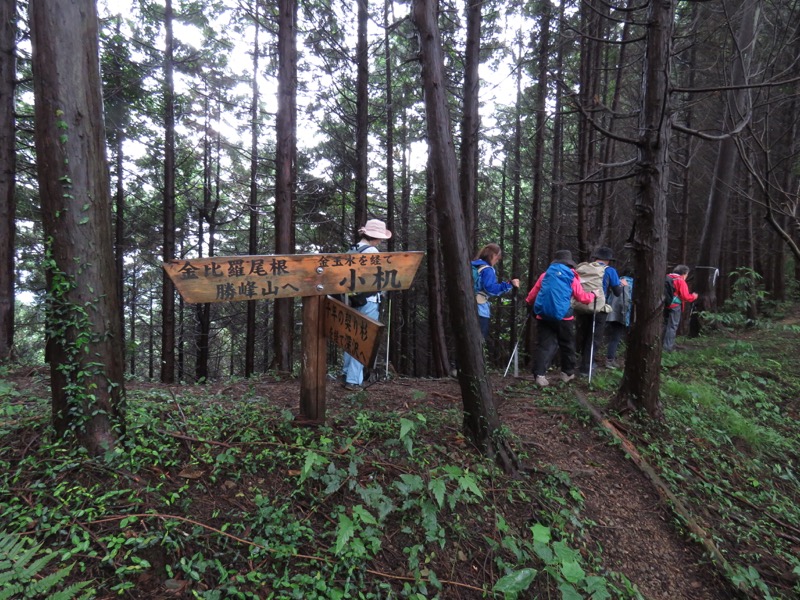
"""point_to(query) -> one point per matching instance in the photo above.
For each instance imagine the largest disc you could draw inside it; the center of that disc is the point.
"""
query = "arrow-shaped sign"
(239, 278)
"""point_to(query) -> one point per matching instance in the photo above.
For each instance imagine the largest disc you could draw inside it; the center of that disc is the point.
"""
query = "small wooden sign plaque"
(353, 332)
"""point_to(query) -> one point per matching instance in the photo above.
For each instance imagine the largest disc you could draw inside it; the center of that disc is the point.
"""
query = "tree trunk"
(8, 205)
(167, 287)
(641, 380)
(84, 347)
(481, 422)
(587, 136)
(362, 115)
(470, 124)
(285, 154)
(725, 168)
(440, 359)
(390, 199)
(252, 242)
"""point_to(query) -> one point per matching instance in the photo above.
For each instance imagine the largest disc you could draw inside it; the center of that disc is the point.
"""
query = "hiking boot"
(611, 364)
(567, 378)
(541, 381)
(352, 387)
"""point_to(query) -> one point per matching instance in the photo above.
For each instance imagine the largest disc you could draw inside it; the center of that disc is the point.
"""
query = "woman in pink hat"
(371, 235)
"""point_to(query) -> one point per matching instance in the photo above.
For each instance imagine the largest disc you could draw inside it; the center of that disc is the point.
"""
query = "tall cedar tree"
(285, 167)
(641, 379)
(481, 422)
(252, 229)
(470, 123)
(362, 114)
(84, 347)
(8, 29)
(167, 287)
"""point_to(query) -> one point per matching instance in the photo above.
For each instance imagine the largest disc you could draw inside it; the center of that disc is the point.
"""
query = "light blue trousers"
(354, 370)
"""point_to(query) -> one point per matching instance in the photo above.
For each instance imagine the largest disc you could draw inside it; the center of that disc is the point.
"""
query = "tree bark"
(362, 115)
(470, 124)
(285, 155)
(8, 205)
(481, 422)
(440, 359)
(84, 347)
(641, 379)
(252, 240)
(167, 287)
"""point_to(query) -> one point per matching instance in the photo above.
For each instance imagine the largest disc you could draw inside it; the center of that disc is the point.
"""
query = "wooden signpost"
(312, 277)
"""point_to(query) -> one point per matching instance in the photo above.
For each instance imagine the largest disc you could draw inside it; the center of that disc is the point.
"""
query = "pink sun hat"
(375, 228)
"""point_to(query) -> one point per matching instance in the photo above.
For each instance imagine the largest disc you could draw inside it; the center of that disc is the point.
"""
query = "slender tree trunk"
(8, 156)
(84, 347)
(394, 300)
(167, 287)
(133, 355)
(390, 199)
(252, 242)
(587, 136)
(608, 206)
(440, 360)
(406, 347)
(736, 108)
(286, 124)
(362, 114)
(556, 177)
(481, 420)
(641, 378)
(470, 124)
(516, 183)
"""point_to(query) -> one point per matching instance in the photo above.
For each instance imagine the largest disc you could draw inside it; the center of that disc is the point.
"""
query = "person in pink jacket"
(674, 307)
(551, 298)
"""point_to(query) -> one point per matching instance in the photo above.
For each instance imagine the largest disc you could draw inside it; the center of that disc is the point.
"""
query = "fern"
(22, 565)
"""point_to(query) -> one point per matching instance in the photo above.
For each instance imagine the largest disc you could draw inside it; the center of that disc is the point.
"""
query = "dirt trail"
(638, 535)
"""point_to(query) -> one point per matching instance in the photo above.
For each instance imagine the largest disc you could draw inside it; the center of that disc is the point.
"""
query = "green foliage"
(24, 572)
(343, 495)
(747, 293)
(730, 449)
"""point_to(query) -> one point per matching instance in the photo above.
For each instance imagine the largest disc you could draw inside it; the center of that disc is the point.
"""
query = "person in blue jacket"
(486, 284)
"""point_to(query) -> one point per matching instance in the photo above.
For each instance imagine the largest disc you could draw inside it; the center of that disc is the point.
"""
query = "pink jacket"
(681, 291)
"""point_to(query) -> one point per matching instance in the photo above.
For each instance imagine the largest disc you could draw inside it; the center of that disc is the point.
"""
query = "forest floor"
(624, 520)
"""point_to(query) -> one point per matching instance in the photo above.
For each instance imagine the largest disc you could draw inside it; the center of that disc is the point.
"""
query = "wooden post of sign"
(314, 345)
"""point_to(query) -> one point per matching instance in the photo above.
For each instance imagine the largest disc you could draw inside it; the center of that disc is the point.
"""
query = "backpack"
(591, 275)
(481, 297)
(669, 291)
(553, 300)
(359, 299)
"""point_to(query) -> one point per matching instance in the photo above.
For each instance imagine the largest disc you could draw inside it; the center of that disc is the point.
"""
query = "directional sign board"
(353, 332)
(239, 278)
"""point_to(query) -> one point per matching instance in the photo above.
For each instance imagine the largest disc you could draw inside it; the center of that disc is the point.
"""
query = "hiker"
(618, 322)
(485, 283)
(673, 304)
(590, 321)
(371, 235)
(551, 298)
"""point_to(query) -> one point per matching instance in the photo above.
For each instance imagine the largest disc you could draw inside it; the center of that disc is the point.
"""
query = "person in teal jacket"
(486, 284)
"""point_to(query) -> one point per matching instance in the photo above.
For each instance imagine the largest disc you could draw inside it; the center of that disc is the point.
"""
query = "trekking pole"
(591, 350)
(388, 337)
(516, 347)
